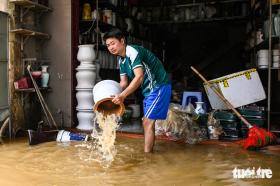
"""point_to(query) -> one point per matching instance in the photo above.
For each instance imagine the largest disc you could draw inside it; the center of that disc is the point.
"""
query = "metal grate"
(3, 60)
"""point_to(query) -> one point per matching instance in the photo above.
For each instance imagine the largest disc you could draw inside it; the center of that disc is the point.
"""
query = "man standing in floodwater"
(141, 68)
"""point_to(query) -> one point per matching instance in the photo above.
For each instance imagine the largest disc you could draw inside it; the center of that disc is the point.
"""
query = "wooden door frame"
(74, 62)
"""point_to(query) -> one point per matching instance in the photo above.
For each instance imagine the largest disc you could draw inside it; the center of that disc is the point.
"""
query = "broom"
(257, 137)
(45, 107)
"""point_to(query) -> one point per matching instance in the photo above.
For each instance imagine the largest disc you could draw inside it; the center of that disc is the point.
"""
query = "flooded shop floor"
(171, 164)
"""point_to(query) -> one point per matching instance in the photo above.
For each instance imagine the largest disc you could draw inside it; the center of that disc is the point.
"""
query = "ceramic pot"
(276, 24)
(129, 23)
(86, 77)
(84, 98)
(262, 59)
(86, 54)
(86, 12)
(102, 96)
(85, 118)
(107, 16)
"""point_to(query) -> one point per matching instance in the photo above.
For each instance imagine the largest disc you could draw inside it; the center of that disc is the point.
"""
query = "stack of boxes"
(230, 124)
(255, 116)
(234, 128)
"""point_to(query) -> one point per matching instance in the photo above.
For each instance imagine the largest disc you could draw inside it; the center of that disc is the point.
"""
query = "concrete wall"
(58, 49)
(4, 5)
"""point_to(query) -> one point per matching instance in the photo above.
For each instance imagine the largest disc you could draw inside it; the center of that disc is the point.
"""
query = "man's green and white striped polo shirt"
(154, 72)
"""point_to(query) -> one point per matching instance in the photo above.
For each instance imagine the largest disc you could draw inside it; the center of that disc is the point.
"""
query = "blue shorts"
(156, 104)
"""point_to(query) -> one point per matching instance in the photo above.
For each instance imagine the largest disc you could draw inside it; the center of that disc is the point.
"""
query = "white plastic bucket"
(102, 96)
(66, 136)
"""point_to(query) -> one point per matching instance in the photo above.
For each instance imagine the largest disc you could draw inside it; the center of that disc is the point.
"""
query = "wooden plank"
(30, 4)
(32, 89)
(15, 72)
(27, 32)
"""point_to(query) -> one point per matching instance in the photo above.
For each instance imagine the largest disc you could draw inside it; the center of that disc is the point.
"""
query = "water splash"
(102, 146)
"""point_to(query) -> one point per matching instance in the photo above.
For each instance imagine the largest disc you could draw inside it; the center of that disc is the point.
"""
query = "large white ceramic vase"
(86, 76)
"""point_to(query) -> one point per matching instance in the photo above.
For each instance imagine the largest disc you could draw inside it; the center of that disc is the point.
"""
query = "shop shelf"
(26, 32)
(30, 4)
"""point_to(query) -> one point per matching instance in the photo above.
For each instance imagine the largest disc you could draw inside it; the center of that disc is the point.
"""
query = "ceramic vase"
(85, 118)
(199, 108)
(84, 98)
(86, 55)
(45, 76)
(86, 77)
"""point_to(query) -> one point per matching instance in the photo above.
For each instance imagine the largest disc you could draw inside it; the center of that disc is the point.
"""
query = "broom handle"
(228, 104)
(42, 101)
(44, 109)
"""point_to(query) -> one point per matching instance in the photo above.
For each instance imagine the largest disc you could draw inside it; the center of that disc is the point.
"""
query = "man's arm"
(123, 82)
(135, 83)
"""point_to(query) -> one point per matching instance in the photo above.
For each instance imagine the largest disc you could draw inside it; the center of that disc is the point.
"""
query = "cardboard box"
(241, 88)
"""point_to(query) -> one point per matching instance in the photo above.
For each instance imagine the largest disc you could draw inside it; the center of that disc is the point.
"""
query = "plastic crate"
(259, 122)
(230, 133)
(229, 124)
(251, 113)
(225, 115)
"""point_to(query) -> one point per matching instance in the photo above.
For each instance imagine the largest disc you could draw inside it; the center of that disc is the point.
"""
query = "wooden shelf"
(200, 20)
(30, 4)
(26, 32)
(272, 68)
(33, 90)
(276, 4)
(189, 4)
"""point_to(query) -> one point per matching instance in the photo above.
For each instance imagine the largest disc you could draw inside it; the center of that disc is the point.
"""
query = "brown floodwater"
(173, 164)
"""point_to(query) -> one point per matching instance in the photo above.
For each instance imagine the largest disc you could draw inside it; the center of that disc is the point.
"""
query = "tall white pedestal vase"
(85, 118)
(86, 77)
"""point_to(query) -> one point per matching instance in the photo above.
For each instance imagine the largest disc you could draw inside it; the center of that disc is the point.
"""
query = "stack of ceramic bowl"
(276, 58)
(262, 59)
(86, 76)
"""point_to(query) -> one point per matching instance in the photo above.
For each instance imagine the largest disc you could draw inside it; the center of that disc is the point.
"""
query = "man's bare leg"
(149, 134)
